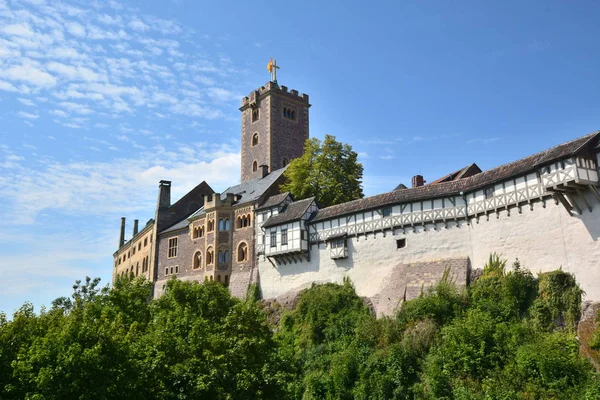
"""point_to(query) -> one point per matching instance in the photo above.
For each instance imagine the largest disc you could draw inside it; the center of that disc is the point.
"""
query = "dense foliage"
(328, 171)
(508, 336)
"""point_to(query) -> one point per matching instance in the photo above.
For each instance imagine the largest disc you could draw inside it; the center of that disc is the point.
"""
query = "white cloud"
(27, 115)
(73, 73)
(29, 73)
(76, 29)
(22, 29)
(109, 20)
(26, 102)
(138, 25)
(59, 113)
(76, 107)
(7, 86)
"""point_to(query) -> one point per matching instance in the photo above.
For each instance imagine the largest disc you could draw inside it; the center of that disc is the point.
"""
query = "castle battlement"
(272, 87)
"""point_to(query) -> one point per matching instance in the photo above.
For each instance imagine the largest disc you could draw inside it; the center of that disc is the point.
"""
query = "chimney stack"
(418, 180)
(135, 226)
(264, 170)
(122, 237)
(164, 194)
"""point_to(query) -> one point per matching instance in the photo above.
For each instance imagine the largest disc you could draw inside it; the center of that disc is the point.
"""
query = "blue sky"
(101, 100)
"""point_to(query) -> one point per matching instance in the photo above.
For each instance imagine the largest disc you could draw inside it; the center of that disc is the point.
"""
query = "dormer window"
(255, 115)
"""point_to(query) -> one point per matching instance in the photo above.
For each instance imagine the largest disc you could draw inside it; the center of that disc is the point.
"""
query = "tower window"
(255, 115)
(254, 166)
(255, 139)
(289, 113)
(284, 162)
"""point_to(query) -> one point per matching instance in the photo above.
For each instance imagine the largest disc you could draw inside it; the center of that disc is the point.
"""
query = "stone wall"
(542, 238)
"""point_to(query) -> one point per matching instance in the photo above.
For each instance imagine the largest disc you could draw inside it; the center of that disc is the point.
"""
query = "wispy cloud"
(27, 115)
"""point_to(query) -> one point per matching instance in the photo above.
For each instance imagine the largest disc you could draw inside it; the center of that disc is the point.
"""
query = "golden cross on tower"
(272, 67)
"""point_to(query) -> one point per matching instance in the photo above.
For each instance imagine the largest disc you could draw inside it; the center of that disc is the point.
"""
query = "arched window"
(227, 224)
(226, 256)
(227, 279)
(211, 278)
(221, 225)
(242, 252)
(210, 256)
(211, 225)
(255, 139)
(254, 166)
(218, 278)
(197, 262)
(284, 162)
(293, 114)
(239, 222)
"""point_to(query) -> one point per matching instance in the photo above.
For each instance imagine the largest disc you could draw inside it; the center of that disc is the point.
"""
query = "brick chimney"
(122, 236)
(135, 226)
(164, 194)
(418, 180)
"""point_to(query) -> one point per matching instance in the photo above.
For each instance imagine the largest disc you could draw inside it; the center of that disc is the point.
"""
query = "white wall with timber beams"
(518, 219)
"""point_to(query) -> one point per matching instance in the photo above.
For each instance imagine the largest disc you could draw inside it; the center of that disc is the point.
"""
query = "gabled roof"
(248, 191)
(471, 183)
(292, 212)
(465, 172)
(253, 189)
(274, 200)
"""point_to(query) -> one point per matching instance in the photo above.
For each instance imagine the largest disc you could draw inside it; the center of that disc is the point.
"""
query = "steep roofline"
(477, 181)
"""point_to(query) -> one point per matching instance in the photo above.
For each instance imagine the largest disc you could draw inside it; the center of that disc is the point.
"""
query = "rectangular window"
(177, 269)
(145, 242)
(387, 211)
(133, 250)
(273, 238)
(139, 246)
(172, 248)
(284, 237)
(167, 271)
(489, 193)
(401, 243)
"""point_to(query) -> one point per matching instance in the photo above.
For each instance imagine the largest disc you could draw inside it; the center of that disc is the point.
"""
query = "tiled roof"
(465, 172)
(253, 189)
(249, 191)
(293, 211)
(274, 200)
(474, 182)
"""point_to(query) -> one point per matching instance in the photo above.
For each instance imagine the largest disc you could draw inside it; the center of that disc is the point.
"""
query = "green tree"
(328, 171)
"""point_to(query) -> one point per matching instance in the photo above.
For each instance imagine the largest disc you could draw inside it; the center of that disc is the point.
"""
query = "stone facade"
(274, 129)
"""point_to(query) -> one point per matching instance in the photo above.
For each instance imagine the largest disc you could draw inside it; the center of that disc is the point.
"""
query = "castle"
(543, 209)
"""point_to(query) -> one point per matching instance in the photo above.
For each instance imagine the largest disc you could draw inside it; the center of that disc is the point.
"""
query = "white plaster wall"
(543, 239)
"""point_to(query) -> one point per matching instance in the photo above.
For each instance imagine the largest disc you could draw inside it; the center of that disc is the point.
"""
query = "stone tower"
(274, 129)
